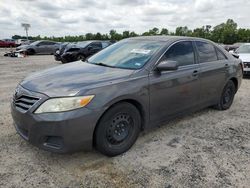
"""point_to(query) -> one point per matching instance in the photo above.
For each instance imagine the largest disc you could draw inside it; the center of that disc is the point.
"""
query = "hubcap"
(119, 128)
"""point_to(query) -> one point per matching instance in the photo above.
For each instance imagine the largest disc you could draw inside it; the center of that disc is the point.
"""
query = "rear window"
(206, 52)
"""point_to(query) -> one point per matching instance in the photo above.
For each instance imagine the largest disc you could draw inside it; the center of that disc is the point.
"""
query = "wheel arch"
(31, 50)
(235, 81)
(133, 102)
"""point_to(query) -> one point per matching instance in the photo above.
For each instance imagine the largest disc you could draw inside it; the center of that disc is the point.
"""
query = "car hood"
(25, 46)
(69, 79)
(244, 57)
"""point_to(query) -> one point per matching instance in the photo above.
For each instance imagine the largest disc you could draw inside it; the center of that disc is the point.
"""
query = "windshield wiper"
(103, 64)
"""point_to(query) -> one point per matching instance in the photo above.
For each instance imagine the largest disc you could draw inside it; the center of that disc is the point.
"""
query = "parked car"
(8, 43)
(40, 47)
(132, 85)
(20, 42)
(244, 54)
(80, 50)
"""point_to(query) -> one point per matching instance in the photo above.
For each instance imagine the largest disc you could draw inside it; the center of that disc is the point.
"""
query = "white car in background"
(244, 54)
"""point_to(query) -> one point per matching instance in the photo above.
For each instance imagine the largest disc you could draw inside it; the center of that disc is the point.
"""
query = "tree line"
(226, 33)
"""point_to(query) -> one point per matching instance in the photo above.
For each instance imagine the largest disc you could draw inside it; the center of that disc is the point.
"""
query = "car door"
(41, 47)
(94, 48)
(173, 92)
(214, 66)
(50, 47)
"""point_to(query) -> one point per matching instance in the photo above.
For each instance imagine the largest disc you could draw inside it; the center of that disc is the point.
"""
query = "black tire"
(227, 96)
(118, 129)
(31, 52)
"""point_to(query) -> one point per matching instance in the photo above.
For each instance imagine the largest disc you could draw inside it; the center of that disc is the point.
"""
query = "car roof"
(166, 38)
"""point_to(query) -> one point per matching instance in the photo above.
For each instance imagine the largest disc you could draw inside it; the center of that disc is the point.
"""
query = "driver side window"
(182, 52)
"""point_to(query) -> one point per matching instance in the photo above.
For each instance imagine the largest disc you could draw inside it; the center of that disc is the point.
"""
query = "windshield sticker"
(140, 51)
(138, 64)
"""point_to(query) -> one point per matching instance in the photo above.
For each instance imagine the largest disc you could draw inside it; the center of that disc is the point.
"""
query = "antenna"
(26, 27)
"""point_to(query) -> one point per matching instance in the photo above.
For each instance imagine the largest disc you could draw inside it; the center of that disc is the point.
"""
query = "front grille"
(24, 102)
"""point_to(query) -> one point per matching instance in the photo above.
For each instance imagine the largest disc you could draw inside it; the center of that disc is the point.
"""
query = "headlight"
(64, 104)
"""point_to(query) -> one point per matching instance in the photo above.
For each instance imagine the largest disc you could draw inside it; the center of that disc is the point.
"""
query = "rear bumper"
(57, 132)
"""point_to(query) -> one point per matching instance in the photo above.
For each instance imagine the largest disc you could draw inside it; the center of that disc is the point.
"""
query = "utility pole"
(26, 27)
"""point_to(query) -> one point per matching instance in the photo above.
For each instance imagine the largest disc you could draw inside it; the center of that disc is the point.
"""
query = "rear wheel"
(227, 96)
(118, 129)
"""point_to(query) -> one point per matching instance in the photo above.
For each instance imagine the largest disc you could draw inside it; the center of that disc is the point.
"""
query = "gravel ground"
(207, 149)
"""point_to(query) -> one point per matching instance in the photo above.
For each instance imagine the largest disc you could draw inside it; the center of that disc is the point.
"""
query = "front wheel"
(227, 96)
(31, 52)
(118, 129)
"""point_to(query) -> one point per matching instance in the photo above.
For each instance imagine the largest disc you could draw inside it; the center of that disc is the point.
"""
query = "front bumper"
(57, 57)
(57, 132)
(246, 71)
(69, 57)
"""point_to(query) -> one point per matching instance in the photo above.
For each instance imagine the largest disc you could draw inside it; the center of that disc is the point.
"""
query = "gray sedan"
(128, 87)
(40, 47)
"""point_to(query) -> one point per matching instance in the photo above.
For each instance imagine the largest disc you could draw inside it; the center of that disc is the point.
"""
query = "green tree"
(125, 34)
(225, 32)
(164, 31)
(183, 31)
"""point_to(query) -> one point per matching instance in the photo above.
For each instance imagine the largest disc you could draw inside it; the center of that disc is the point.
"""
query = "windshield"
(35, 43)
(83, 44)
(244, 49)
(127, 54)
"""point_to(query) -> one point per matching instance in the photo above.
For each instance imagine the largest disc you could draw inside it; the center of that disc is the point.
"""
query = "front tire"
(227, 96)
(118, 129)
(31, 52)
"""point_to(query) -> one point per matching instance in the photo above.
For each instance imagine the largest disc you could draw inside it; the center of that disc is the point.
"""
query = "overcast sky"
(76, 17)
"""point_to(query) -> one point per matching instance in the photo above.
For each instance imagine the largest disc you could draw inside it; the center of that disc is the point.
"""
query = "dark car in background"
(60, 51)
(40, 47)
(132, 85)
(80, 50)
(7, 43)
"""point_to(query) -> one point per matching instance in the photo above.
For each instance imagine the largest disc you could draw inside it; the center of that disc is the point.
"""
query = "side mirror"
(167, 66)
(90, 48)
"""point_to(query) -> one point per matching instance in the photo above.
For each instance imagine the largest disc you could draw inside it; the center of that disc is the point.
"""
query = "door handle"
(226, 65)
(195, 73)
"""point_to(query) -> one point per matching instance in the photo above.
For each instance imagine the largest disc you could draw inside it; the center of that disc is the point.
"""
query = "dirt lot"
(207, 149)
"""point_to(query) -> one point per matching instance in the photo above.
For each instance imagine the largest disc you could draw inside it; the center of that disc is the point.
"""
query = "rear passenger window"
(182, 52)
(206, 52)
(221, 55)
